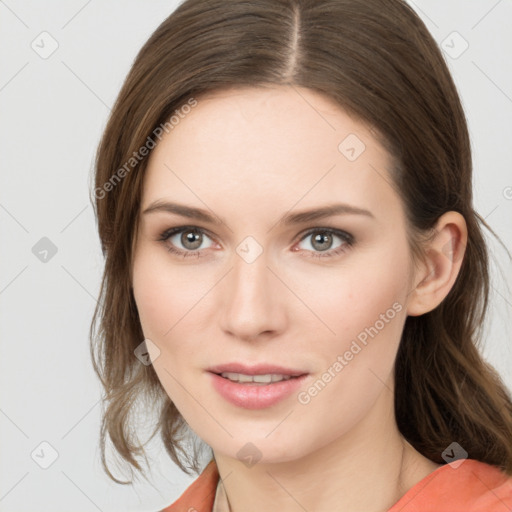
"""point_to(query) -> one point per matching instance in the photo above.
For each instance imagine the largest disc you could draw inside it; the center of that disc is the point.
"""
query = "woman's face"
(259, 284)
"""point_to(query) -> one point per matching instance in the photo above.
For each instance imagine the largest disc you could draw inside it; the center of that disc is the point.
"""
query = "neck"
(365, 470)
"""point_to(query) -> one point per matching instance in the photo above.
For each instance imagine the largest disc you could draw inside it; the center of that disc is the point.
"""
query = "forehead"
(274, 146)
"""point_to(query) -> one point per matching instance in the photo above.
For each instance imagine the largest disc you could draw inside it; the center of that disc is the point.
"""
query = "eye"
(190, 238)
(322, 242)
(186, 241)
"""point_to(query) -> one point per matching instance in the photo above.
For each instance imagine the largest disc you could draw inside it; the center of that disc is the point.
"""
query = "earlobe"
(443, 260)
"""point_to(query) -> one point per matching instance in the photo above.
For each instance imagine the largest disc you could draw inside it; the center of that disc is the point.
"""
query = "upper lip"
(258, 369)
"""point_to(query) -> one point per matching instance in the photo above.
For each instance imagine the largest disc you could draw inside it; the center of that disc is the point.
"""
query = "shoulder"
(200, 494)
(467, 486)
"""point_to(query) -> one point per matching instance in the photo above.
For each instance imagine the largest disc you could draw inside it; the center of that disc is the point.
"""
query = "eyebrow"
(289, 219)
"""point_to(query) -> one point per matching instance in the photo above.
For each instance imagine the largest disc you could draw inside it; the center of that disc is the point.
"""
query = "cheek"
(166, 300)
(165, 293)
(363, 304)
(370, 308)
(364, 307)
(152, 294)
(368, 291)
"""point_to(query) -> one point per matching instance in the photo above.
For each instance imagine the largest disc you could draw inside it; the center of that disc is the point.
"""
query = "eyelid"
(178, 229)
(347, 237)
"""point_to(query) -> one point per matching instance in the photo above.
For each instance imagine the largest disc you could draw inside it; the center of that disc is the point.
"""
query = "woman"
(294, 268)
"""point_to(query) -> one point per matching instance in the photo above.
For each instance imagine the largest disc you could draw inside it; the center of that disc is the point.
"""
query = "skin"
(249, 156)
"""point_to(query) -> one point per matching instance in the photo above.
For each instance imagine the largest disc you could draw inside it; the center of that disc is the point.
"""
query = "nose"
(253, 301)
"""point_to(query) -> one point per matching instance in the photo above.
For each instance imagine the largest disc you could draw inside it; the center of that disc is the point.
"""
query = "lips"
(256, 396)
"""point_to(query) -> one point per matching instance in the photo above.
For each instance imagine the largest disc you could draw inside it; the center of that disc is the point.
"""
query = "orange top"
(470, 486)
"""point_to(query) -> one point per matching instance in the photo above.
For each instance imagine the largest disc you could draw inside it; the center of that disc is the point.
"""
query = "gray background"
(53, 111)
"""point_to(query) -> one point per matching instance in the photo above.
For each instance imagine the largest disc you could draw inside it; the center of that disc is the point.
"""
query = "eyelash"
(345, 237)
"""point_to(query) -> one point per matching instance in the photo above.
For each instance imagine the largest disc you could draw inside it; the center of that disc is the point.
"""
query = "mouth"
(256, 374)
(261, 380)
(256, 387)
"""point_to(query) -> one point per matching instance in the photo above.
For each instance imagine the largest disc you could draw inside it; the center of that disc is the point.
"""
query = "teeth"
(260, 379)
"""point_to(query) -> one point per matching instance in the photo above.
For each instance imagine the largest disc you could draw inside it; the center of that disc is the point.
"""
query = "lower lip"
(255, 396)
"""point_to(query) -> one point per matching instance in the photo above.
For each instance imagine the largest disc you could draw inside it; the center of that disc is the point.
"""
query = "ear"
(443, 259)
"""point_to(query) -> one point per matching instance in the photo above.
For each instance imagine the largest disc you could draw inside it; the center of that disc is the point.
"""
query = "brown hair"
(378, 61)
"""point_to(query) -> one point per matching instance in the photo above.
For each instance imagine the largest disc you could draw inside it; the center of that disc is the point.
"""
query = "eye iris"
(322, 238)
(191, 237)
